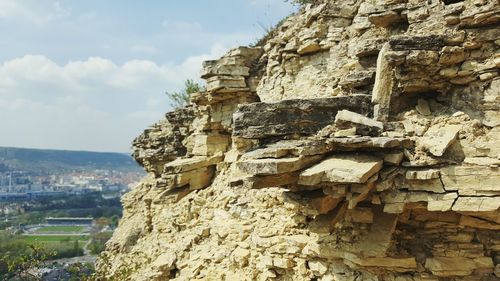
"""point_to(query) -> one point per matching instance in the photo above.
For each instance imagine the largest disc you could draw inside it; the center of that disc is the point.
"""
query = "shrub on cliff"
(181, 98)
(302, 2)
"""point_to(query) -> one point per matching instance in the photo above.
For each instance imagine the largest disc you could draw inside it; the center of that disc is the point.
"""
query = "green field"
(47, 239)
(61, 228)
(63, 246)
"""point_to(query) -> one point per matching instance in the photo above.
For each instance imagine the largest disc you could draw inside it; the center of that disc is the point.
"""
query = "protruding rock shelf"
(289, 117)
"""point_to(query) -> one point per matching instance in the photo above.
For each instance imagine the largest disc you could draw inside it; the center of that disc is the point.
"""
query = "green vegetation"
(181, 98)
(61, 228)
(45, 239)
(97, 245)
(16, 262)
(17, 256)
(302, 2)
(63, 246)
(89, 205)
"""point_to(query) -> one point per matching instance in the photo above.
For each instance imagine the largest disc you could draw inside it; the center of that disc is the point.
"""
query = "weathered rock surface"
(288, 117)
(360, 141)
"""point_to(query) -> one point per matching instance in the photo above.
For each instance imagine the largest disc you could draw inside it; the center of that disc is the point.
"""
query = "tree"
(181, 98)
(19, 265)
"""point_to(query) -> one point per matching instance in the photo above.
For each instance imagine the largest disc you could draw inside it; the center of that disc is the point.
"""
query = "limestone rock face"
(360, 141)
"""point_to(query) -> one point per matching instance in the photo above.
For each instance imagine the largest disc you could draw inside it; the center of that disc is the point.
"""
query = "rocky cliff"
(361, 141)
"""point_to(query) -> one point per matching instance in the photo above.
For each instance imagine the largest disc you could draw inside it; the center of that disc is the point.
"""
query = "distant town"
(26, 185)
(64, 204)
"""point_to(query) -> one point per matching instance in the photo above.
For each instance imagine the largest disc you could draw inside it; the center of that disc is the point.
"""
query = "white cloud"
(92, 104)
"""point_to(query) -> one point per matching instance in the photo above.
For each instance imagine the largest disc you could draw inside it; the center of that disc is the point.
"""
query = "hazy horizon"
(91, 75)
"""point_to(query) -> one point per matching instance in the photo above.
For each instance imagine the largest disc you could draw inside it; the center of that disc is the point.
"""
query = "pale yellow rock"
(271, 166)
(482, 161)
(423, 107)
(456, 266)
(438, 138)
(452, 55)
(393, 158)
(471, 180)
(282, 263)
(491, 118)
(382, 89)
(384, 19)
(435, 202)
(265, 262)
(449, 72)
(423, 174)
(210, 144)
(357, 119)
(309, 47)
(272, 180)
(181, 165)
(240, 256)
(342, 169)
(325, 204)
(394, 208)
(477, 204)
(220, 82)
(196, 179)
(431, 185)
(164, 262)
(345, 133)
(402, 263)
(317, 267)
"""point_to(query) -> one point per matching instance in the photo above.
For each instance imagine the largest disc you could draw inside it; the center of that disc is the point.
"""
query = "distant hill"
(48, 160)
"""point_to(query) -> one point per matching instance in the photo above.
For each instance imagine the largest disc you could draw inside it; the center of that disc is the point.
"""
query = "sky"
(92, 75)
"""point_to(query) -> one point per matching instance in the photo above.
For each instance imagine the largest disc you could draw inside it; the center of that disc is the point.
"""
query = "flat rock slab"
(367, 142)
(270, 166)
(288, 117)
(181, 165)
(438, 138)
(363, 124)
(395, 201)
(350, 168)
(403, 264)
(404, 43)
(289, 148)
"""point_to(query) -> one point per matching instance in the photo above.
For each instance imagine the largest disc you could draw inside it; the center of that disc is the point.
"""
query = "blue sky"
(91, 75)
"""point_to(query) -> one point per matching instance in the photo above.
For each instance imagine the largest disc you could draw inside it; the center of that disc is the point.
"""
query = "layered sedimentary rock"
(360, 142)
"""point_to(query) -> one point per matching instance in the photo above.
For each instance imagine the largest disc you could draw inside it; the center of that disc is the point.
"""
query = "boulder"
(438, 138)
